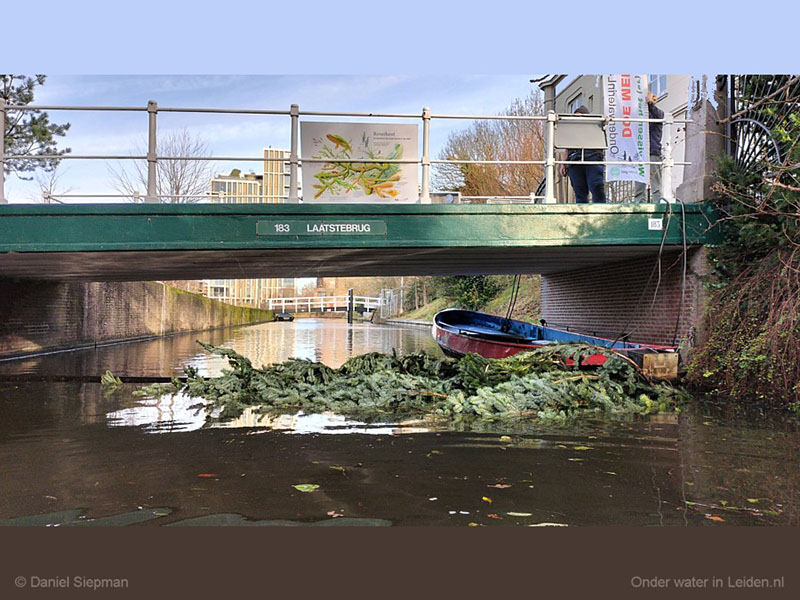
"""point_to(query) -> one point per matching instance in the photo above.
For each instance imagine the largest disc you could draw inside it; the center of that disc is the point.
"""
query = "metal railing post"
(425, 196)
(667, 162)
(294, 112)
(550, 160)
(3, 151)
(152, 158)
(350, 305)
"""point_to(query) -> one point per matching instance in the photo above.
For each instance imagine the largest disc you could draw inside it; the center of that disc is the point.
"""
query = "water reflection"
(69, 453)
(323, 340)
(178, 412)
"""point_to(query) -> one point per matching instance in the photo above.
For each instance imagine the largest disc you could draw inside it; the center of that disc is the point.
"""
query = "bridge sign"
(320, 227)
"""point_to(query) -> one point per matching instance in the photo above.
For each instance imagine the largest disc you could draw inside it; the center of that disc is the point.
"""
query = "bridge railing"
(549, 161)
(322, 303)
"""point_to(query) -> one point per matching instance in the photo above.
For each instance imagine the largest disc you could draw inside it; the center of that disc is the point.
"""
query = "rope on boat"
(511, 303)
(625, 333)
(683, 277)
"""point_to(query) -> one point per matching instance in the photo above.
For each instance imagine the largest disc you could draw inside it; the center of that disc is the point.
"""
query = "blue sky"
(245, 135)
(296, 48)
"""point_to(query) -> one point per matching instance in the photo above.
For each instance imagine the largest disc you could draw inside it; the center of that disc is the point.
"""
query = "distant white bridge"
(324, 304)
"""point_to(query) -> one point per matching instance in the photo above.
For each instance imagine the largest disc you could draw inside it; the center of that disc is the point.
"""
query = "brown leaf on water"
(206, 475)
(494, 516)
(499, 486)
(715, 518)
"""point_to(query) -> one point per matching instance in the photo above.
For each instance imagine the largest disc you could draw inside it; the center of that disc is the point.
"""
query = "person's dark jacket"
(655, 128)
(585, 154)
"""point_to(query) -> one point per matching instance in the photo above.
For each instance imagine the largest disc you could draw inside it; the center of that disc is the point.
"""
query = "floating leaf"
(545, 524)
(505, 438)
(338, 468)
(494, 516)
(487, 499)
(582, 448)
(305, 487)
(206, 475)
(519, 514)
(334, 514)
(715, 518)
(500, 486)
(752, 500)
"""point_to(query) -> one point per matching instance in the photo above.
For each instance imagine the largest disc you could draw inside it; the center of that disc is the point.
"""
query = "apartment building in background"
(270, 186)
(673, 97)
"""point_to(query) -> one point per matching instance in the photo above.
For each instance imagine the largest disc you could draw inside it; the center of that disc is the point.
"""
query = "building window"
(576, 103)
(657, 84)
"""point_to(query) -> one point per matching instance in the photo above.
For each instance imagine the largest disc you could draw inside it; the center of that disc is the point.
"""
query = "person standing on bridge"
(585, 178)
(655, 155)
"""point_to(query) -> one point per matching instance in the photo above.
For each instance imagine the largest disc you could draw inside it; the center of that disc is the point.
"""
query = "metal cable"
(511, 303)
(683, 278)
(625, 332)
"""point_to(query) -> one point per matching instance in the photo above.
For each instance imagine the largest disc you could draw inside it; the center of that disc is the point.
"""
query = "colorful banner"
(327, 150)
(626, 96)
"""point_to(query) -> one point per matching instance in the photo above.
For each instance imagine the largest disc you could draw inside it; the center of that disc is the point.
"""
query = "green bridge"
(130, 242)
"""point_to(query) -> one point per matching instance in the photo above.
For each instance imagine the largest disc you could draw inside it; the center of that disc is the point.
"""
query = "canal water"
(72, 455)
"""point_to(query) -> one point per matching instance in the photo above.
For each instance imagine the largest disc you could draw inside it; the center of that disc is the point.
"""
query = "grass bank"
(527, 307)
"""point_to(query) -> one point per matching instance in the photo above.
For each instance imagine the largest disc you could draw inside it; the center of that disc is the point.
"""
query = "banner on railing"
(329, 176)
(626, 96)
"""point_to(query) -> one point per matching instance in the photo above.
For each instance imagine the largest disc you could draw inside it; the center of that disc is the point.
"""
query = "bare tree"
(178, 181)
(50, 187)
(496, 140)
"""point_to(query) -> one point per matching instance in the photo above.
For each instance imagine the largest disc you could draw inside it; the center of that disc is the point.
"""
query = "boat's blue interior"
(467, 322)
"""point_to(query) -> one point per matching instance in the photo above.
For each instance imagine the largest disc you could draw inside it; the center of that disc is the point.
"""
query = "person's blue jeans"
(585, 179)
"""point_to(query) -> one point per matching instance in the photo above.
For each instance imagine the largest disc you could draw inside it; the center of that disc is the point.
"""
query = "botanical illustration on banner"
(330, 173)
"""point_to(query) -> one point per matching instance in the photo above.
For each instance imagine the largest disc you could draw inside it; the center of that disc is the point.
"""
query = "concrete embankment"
(40, 316)
(406, 323)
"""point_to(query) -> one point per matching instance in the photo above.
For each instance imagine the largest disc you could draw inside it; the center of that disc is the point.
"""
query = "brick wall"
(39, 315)
(617, 298)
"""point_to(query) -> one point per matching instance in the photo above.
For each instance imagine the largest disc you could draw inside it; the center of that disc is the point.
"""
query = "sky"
(453, 56)
(124, 133)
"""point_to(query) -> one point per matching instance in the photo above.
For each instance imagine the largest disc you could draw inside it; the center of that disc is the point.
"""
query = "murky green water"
(69, 455)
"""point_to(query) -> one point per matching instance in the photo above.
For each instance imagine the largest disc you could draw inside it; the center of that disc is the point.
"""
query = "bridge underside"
(214, 241)
(326, 262)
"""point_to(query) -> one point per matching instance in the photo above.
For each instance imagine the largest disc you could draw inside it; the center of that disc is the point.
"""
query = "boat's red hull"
(457, 345)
